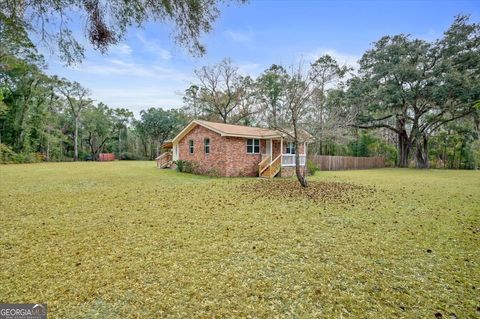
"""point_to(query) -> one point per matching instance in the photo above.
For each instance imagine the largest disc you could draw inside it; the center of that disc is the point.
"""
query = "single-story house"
(234, 150)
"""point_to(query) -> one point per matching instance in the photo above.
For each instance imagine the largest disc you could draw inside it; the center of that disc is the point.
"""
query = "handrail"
(164, 159)
(276, 159)
(289, 159)
(163, 155)
(275, 164)
(262, 166)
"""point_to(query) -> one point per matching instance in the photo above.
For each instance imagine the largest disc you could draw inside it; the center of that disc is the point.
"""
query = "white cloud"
(342, 58)
(123, 49)
(138, 98)
(153, 46)
(123, 83)
(238, 36)
(251, 69)
(115, 67)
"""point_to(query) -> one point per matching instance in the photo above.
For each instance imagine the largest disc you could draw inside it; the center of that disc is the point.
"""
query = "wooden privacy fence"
(334, 163)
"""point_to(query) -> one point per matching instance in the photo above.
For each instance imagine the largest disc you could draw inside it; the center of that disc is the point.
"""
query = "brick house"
(234, 150)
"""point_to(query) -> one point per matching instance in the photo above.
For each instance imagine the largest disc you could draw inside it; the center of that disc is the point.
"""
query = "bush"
(180, 165)
(21, 158)
(126, 156)
(185, 166)
(213, 172)
(189, 167)
(312, 167)
(7, 155)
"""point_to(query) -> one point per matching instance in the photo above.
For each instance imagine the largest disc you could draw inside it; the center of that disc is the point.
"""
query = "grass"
(124, 239)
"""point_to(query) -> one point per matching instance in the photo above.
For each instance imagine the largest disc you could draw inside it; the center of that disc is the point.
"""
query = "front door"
(268, 148)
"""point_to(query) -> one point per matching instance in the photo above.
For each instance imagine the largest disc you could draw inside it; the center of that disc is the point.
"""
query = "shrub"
(190, 167)
(180, 165)
(21, 158)
(7, 155)
(213, 172)
(312, 167)
(126, 156)
(186, 166)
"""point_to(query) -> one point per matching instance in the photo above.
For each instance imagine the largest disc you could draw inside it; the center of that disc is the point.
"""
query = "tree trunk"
(421, 154)
(48, 142)
(119, 144)
(300, 175)
(75, 141)
(403, 151)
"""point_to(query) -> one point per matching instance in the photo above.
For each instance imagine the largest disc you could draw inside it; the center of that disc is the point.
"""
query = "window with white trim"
(290, 148)
(253, 146)
(190, 146)
(206, 144)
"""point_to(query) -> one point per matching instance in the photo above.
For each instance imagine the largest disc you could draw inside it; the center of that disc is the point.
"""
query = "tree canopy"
(413, 87)
(106, 22)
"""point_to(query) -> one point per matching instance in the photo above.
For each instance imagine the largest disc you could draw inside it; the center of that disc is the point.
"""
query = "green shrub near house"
(312, 167)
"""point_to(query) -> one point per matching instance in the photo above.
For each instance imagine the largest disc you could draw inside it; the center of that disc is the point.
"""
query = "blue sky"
(148, 70)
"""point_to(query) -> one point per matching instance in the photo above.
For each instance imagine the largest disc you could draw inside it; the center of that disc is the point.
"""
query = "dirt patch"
(319, 192)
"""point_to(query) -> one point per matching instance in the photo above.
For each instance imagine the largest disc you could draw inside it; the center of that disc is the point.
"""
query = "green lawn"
(126, 240)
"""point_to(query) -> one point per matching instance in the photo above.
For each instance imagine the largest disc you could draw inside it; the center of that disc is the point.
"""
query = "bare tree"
(300, 85)
(77, 100)
(220, 89)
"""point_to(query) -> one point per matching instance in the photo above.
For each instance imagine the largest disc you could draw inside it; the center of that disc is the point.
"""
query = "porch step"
(165, 160)
(166, 165)
(267, 169)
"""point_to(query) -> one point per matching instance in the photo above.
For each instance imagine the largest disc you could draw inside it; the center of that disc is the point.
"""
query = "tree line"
(50, 118)
(413, 101)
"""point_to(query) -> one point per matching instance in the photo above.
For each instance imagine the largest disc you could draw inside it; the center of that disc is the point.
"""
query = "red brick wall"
(228, 155)
(214, 161)
(238, 161)
(275, 148)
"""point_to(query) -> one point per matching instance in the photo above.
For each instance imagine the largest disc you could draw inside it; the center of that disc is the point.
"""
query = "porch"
(280, 153)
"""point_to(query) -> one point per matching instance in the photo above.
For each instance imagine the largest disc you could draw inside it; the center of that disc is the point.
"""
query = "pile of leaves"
(319, 192)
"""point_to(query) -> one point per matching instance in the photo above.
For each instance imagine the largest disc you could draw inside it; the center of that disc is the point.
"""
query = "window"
(253, 146)
(190, 146)
(290, 148)
(206, 143)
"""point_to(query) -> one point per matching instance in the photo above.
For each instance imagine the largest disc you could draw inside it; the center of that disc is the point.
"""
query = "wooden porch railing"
(263, 164)
(272, 168)
(164, 160)
(289, 159)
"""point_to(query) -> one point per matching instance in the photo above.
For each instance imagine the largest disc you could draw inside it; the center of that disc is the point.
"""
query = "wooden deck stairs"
(268, 168)
(165, 160)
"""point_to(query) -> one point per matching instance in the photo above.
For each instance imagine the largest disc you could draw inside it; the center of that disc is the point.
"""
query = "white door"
(268, 148)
